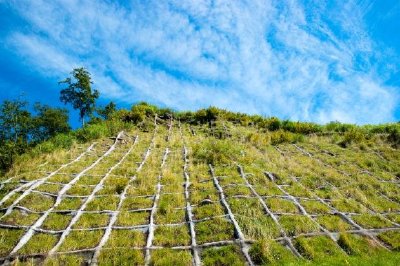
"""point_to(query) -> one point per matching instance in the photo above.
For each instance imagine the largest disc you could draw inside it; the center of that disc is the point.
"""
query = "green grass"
(92, 220)
(8, 239)
(50, 188)
(132, 218)
(371, 221)
(170, 216)
(70, 204)
(214, 230)
(56, 221)
(297, 224)
(164, 257)
(358, 245)
(208, 210)
(64, 260)
(121, 256)
(169, 236)
(103, 203)
(281, 205)
(260, 227)
(39, 243)
(391, 238)
(314, 207)
(137, 203)
(268, 252)
(222, 256)
(318, 247)
(333, 223)
(37, 202)
(126, 238)
(20, 217)
(81, 240)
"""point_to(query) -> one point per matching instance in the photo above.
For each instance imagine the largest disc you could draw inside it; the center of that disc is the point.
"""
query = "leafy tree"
(49, 122)
(15, 121)
(79, 93)
(107, 111)
(15, 126)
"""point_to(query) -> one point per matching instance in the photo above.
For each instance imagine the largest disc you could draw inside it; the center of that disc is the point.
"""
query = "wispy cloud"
(285, 58)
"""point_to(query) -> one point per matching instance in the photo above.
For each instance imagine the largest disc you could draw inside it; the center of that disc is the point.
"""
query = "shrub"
(91, 132)
(394, 137)
(354, 135)
(64, 141)
(282, 136)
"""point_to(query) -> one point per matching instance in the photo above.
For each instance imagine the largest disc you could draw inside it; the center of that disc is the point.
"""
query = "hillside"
(174, 193)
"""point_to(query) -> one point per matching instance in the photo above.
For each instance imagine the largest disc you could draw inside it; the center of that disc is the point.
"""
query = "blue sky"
(304, 60)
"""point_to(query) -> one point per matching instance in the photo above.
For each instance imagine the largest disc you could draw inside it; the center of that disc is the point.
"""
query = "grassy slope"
(312, 180)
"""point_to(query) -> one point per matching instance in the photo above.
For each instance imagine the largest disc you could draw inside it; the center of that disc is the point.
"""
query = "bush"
(336, 126)
(394, 137)
(354, 135)
(282, 136)
(63, 141)
(91, 132)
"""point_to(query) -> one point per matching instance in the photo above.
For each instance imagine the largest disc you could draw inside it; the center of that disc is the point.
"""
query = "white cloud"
(280, 58)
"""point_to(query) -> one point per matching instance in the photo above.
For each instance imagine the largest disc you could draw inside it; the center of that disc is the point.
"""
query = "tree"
(15, 127)
(15, 121)
(107, 111)
(49, 122)
(79, 93)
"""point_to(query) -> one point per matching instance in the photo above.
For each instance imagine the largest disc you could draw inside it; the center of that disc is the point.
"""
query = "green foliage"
(282, 136)
(15, 121)
(353, 135)
(49, 122)
(91, 132)
(336, 126)
(394, 136)
(79, 92)
(107, 111)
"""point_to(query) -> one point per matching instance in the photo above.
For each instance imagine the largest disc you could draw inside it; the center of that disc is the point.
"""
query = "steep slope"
(178, 194)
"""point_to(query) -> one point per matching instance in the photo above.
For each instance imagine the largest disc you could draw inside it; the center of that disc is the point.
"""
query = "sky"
(316, 61)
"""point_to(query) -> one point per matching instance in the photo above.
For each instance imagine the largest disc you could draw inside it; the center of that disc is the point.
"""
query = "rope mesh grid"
(30, 187)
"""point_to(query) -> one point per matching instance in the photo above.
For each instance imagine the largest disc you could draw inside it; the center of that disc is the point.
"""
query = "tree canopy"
(79, 93)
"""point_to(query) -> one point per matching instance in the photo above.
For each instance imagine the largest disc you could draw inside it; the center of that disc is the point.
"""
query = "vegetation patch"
(266, 252)
(170, 236)
(391, 238)
(170, 257)
(224, 256)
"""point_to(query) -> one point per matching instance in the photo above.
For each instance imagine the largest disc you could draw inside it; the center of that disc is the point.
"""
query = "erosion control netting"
(141, 197)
